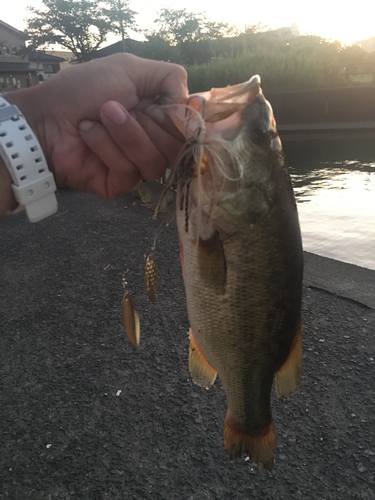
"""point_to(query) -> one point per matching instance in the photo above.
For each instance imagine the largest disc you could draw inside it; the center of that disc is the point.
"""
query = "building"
(67, 56)
(127, 45)
(19, 67)
(15, 71)
(45, 65)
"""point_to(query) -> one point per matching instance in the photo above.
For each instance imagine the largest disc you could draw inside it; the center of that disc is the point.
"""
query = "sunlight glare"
(327, 18)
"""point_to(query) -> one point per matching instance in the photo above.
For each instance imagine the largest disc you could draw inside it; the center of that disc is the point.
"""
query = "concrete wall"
(324, 106)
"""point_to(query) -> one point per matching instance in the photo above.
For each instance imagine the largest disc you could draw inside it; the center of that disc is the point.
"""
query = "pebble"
(361, 468)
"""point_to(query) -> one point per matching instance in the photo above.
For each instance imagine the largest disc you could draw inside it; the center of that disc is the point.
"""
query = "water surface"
(334, 183)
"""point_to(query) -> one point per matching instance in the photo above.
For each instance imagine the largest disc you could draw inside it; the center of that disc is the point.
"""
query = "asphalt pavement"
(85, 415)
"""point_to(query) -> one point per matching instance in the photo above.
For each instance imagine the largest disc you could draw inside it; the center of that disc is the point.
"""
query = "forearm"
(7, 199)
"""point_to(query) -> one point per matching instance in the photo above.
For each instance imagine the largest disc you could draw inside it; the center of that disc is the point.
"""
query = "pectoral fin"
(201, 371)
(212, 263)
(289, 375)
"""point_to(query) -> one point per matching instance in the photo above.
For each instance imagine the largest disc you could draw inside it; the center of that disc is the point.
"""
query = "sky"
(331, 19)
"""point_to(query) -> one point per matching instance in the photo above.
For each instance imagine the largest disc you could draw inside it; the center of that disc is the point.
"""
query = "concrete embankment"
(325, 113)
(342, 279)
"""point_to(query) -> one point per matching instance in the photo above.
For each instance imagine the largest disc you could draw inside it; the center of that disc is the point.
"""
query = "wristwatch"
(33, 184)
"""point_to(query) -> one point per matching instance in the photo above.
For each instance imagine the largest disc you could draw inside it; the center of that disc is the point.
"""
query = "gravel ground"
(85, 415)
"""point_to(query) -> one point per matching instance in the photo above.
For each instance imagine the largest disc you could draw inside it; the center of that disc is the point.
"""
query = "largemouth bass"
(241, 256)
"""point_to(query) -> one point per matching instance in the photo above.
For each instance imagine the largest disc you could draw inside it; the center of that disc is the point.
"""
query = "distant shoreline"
(326, 131)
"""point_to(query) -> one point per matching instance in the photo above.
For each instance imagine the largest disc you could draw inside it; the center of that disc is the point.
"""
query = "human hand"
(82, 120)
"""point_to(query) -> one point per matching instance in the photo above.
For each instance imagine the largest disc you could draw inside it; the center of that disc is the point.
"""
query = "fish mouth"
(218, 104)
(224, 112)
(217, 111)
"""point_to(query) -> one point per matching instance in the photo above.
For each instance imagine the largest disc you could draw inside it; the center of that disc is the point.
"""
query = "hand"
(91, 140)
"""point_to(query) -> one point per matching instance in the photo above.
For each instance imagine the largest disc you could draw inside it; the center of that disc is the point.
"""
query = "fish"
(241, 257)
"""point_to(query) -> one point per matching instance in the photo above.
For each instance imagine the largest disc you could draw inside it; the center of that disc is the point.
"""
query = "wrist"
(30, 103)
(33, 184)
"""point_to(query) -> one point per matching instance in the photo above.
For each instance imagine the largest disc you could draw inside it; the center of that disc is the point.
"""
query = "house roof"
(14, 66)
(121, 46)
(19, 33)
(43, 57)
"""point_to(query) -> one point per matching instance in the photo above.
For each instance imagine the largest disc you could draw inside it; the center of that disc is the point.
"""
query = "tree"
(157, 48)
(193, 34)
(177, 26)
(78, 25)
(212, 30)
(180, 26)
(121, 17)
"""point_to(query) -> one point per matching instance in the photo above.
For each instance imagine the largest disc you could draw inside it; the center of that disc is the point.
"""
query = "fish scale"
(234, 313)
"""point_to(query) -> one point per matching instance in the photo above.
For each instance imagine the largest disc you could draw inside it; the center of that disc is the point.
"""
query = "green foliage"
(299, 64)
(78, 25)
(177, 26)
(192, 34)
(121, 17)
(157, 48)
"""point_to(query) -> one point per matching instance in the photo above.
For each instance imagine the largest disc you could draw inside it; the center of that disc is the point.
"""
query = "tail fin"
(289, 375)
(258, 445)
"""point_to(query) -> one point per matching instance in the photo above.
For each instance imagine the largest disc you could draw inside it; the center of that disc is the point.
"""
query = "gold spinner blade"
(151, 277)
(131, 318)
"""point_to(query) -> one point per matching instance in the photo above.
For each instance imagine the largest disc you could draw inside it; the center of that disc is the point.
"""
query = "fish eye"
(259, 134)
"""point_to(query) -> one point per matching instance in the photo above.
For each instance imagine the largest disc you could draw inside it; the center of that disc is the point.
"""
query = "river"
(334, 183)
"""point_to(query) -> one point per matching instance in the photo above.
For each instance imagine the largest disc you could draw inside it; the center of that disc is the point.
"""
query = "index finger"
(152, 78)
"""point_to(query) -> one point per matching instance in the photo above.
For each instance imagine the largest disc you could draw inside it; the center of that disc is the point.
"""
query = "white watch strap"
(33, 184)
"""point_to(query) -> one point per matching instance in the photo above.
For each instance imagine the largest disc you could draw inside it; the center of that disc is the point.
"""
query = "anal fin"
(289, 375)
(201, 371)
(258, 445)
